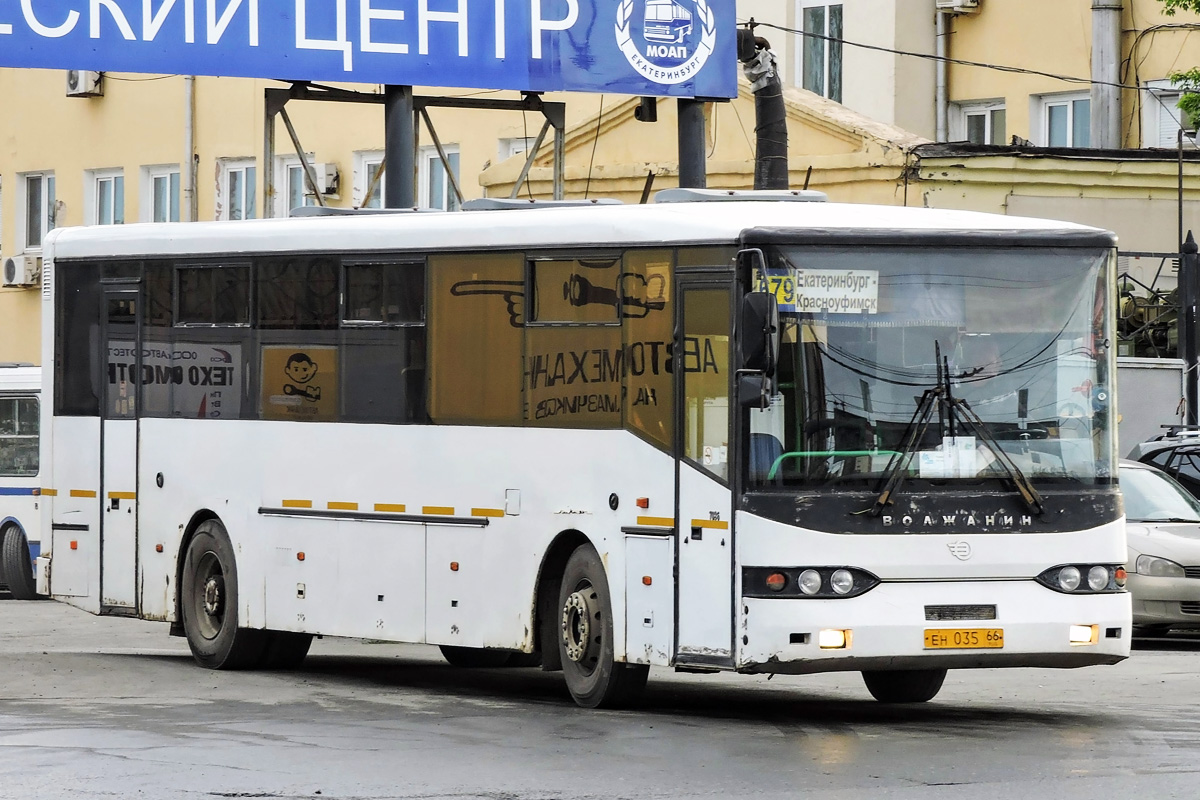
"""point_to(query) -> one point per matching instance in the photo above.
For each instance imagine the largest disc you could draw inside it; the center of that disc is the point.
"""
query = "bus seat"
(764, 449)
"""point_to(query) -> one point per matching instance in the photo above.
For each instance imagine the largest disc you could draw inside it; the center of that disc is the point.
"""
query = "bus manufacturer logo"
(960, 550)
(679, 36)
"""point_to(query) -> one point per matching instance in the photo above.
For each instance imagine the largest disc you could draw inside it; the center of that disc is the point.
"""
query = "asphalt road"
(98, 708)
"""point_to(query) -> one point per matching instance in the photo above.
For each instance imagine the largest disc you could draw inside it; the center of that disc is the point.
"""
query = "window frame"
(227, 167)
(96, 180)
(426, 159)
(827, 49)
(365, 164)
(46, 212)
(150, 175)
(286, 169)
(1160, 97)
(1069, 101)
(986, 108)
(346, 264)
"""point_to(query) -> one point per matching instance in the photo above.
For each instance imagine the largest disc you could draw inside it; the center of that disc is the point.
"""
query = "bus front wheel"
(904, 686)
(585, 643)
(17, 568)
(209, 604)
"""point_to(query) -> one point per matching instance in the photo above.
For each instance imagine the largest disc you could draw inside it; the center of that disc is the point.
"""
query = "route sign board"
(682, 48)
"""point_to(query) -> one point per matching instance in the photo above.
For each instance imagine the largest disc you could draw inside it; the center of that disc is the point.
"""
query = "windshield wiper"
(950, 409)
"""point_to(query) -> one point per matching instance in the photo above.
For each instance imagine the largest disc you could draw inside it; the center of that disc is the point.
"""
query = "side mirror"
(755, 390)
(759, 332)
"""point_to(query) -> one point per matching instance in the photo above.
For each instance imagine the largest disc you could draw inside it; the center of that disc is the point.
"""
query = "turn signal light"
(1119, 577)
(300, 556)
(454, 566)
(776, 581)
(643, 502)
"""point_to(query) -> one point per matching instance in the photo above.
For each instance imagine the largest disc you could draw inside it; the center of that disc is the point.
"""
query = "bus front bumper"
(887, 628)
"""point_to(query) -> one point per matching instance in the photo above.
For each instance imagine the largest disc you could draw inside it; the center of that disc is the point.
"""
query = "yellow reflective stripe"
(83, 493)
(657, 522)
(717, 524)
(297, 503)
(336, 506)
(441, 511)
(122, 495)
(487, 512)
(49, 492)
(390, 508)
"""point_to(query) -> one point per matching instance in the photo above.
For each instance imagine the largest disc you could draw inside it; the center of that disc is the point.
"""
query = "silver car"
(1163, 526)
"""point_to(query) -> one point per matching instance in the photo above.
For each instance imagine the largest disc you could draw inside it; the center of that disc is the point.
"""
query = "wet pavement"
(99, 707)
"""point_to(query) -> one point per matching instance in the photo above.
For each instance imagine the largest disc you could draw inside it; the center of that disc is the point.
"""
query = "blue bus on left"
(20, 495)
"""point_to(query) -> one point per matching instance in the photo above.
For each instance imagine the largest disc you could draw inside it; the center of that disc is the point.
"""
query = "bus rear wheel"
(209, 604)
(904, 686)
(18, 569)
(594, 677)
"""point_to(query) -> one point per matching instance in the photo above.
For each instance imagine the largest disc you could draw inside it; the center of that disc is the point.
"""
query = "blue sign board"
(682, 48)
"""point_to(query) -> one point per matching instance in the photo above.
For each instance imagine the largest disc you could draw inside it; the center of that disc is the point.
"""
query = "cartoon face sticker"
(300, 368)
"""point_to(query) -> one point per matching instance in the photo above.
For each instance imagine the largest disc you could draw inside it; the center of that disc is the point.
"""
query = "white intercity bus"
(750, 435)
(20, 504)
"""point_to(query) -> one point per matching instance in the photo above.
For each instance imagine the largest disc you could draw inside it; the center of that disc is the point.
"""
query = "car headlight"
(1158, 567)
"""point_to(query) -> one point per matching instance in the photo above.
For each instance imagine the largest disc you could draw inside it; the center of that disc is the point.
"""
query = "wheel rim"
(210, 597)
(581, 627)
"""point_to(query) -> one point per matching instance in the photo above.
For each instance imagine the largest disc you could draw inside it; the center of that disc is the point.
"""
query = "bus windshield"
(1021, 336)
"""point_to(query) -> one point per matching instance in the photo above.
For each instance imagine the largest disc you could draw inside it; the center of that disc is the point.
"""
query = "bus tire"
(904, 686)
(18, 569)
(475, 657)
(209, 604)
(285, 650)
(594, 677)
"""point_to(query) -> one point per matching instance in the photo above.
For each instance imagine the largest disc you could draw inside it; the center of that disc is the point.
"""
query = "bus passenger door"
(703, 524)
(118, 448)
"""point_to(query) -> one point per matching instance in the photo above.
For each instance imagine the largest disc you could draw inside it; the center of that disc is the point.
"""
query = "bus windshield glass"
(1021, 335)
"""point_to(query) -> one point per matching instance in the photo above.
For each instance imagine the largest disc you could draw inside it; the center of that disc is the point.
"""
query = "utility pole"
(1189, 295)
(399, 148)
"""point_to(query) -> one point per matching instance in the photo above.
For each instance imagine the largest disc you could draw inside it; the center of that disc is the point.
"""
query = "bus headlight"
(1068, 579)
(1084, 578)
(806, 582)
(810, 581)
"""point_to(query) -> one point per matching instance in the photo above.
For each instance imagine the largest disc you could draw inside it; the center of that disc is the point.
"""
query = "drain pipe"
(1106, 74)
(941, 99)
(187, 169)
(770, 113)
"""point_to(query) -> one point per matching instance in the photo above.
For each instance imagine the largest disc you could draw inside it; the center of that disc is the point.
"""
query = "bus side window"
(18, 436)
(382, 342)
(476, 330)
(78, 370)
(648, 321)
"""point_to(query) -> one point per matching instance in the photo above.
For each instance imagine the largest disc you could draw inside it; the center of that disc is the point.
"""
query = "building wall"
(1056, 38)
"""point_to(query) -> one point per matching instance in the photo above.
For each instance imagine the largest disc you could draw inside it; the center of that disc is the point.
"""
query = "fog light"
(842, 581)
(776, 581)
(1098, 578)
(810, 581)
(1068, 578)
(1085, 634)
(833, 639)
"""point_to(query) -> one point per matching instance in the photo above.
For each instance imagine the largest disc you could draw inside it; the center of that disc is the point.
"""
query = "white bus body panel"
(919, 570)
(75, 511)
(564, 477)
(705, 567)
(118, 515)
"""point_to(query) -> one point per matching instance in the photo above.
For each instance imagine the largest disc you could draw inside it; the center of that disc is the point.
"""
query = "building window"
(436, 189)
(160, 193)
(509, 147)
(1066, 120)
(291, 188)
(237, 189)
(981, 123)
(820, 62)
(1162, 118)
(368, 179)
(106, 200)
(37, 207)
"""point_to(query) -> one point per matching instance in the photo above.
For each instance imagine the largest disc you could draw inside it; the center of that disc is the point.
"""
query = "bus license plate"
(963, 638)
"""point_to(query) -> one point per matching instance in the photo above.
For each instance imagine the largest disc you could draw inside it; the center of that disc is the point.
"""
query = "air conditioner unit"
(328, 178)
(959, 6)
(82, 83)
(22, 270)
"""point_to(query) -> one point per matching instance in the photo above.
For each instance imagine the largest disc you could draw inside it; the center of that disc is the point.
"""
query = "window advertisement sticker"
(299, 382)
